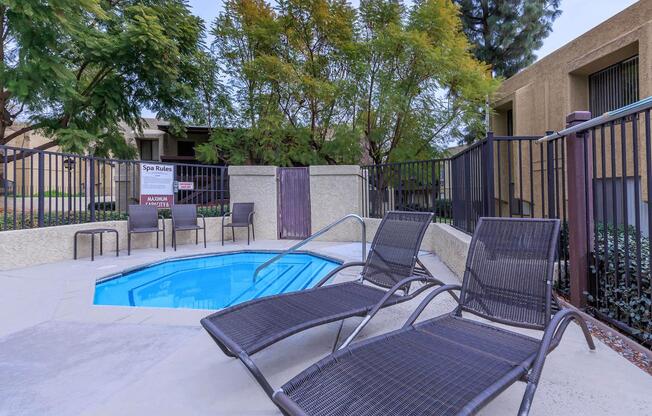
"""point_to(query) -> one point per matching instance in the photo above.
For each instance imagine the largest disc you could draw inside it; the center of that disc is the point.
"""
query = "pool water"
(212, 282)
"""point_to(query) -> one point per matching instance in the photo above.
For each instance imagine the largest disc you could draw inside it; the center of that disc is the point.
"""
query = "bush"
(613, 294)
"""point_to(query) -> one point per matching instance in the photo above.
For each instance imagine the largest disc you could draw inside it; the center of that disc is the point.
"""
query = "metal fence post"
(489, 176)
(91, 189)
(41, 189)
(550, 173)
(580, 207)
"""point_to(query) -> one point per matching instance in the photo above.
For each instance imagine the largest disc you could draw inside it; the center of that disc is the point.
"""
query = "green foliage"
(74, 69)
(618, 294)
(507, 32)
(312, 81)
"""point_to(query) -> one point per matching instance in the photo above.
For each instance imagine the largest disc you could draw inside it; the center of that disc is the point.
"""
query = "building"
(604, 69)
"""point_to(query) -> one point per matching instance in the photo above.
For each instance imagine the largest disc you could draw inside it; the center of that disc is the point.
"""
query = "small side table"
(92, 233)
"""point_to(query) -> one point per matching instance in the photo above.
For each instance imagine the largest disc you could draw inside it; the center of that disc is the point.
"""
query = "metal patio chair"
(184, 218)
(452, 365)
(144, 219)
(242, 215)
(391, 266)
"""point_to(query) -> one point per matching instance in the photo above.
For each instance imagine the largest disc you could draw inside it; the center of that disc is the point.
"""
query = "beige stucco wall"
(543, 94)
(335, 191)
(23, 248)
(256, 184)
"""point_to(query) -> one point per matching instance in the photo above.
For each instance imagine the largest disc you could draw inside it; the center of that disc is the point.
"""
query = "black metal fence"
(512, 176)
(409, 186)
(41, 188)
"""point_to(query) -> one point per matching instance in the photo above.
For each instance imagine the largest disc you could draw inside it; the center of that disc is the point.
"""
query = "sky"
(578, 17)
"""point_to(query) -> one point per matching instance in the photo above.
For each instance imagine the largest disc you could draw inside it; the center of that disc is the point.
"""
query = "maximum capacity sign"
(156, 185)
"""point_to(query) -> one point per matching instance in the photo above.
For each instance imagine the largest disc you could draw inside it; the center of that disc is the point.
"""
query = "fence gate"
(293, 203)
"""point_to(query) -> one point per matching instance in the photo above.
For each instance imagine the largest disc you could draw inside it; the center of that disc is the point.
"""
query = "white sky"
(578, 17)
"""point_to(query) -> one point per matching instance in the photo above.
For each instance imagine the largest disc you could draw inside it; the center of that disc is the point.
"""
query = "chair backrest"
(185, 214)
(395, 247)
(142, 216)
(240, 211)
(509, 271)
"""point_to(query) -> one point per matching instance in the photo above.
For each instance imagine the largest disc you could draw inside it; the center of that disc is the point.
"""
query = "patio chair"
(144, 219)
(452, 365)
(242, 215)
(184, 218)
(391, 266)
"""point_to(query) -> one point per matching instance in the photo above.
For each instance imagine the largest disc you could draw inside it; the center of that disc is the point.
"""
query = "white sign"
(186, 186)
(156, 185)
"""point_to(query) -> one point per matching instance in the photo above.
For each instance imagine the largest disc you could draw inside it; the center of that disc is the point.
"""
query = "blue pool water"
(212, 282)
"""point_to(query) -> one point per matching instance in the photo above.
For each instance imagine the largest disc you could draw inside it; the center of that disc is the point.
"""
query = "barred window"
(613, 87)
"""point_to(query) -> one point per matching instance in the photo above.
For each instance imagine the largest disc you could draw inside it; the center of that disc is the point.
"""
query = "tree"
(419, 81)
(76, 68)
(507, 32)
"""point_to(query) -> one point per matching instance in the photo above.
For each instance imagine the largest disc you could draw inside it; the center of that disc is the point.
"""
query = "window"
(186, 149)
(148, 149)
(613, 87)
(510, 123)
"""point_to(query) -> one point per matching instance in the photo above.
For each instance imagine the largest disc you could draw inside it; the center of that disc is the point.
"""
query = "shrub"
(615, 279)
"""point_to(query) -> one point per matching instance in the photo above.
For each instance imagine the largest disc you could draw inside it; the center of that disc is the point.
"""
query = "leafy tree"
(507, 32)
(420, 82)
(75, 68)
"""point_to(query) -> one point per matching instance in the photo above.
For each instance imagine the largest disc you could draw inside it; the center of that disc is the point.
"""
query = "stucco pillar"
(336, 191)
(256, 184)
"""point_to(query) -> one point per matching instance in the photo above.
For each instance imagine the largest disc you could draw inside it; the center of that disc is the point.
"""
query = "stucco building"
(604, 69)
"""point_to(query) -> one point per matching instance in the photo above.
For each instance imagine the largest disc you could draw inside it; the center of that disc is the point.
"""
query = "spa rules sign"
(156, 185)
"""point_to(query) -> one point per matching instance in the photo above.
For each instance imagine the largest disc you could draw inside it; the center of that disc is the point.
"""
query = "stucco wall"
(335, 191)
(22, 248)
(256, 184)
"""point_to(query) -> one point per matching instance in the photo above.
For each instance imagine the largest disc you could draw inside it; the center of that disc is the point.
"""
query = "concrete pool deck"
(62, 355)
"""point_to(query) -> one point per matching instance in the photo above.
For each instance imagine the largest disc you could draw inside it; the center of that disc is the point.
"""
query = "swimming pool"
(212, 282)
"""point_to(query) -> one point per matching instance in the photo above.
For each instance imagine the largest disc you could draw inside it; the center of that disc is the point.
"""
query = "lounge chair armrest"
(337, 270)
(203, 219)
(160, 217)
(398, 286)
(250, 218)
(429, 298)
(551, 338)
(228, 214)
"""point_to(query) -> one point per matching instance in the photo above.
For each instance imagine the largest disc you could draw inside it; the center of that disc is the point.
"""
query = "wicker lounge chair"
(144, 219)
(452, 365)
(184, 218)
(391, 266)
(242, 215)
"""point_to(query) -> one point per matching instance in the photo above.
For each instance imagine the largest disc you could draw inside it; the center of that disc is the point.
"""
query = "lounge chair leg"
(157, 239)
(196, 237)
(526, 403)
(163, 241)
(253, 233)
(233, 233)
(247, 235)
(204, 237)
(174, 239)
(222, 235)
(337, 338)
(128, 244)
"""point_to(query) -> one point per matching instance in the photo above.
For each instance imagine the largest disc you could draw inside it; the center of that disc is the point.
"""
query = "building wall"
(542, 95)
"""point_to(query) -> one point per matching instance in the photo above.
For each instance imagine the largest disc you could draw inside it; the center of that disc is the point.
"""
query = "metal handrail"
(317, 234)
(630, 109)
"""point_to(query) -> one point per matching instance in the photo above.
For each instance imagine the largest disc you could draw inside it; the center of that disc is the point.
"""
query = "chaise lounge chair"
(452, 365)
(391, 266)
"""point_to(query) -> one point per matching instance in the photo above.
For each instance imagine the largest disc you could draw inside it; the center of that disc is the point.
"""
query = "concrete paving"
(60, 354)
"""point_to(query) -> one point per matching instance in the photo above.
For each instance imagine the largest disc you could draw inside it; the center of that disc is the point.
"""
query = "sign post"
(156, 185)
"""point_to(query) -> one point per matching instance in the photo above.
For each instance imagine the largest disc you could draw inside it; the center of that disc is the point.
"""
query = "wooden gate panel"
(294, 203)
